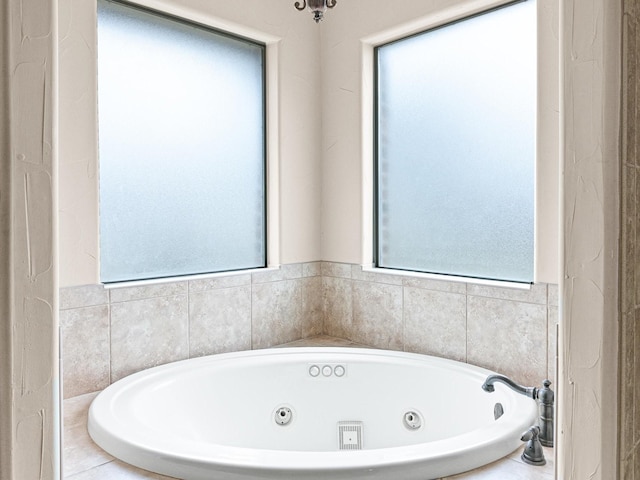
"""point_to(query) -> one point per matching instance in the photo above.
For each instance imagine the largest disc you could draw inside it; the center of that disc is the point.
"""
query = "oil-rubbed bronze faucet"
(533, 453)
(487, 386)
(544, 396)
(545, 407)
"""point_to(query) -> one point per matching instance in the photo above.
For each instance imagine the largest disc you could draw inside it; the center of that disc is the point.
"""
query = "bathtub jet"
(309, 413)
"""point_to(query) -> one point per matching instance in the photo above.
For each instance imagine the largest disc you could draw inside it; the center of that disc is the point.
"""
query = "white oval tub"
(215, 417)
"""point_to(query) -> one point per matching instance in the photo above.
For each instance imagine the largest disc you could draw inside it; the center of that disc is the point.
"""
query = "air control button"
(327, 371)
(339, 371)
(314, 370)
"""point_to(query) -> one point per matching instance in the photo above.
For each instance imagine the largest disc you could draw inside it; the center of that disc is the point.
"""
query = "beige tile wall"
(110, 333)
(508, 330)
(107, 334)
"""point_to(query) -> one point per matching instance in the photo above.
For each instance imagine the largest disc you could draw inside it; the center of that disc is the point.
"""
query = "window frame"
(374, 48)
(270, 205)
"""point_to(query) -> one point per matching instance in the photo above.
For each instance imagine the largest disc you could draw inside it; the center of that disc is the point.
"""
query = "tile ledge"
(186, 278)
(448, 278)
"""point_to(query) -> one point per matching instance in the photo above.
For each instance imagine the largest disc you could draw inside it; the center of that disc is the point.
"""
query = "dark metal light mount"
(317, 7)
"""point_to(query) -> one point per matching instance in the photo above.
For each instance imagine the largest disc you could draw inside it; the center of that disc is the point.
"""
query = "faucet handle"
(533, 431)
(533, 453)
(545, 394)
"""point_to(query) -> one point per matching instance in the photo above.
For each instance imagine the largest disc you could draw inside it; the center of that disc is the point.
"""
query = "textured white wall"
(29, 295)
(78, 189)
(591, 40)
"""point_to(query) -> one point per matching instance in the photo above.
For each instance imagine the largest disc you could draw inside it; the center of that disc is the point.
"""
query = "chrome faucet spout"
(487, 386)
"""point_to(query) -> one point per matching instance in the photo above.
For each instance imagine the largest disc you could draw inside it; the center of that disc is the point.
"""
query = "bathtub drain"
(350, 435)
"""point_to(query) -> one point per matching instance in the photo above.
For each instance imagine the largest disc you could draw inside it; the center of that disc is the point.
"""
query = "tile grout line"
(94, 467)
(466, 323)
(251, 312)
(189, 319)
(404, 319)
(109, 309)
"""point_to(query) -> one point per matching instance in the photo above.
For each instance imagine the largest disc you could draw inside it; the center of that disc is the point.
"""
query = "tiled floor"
(84, 460)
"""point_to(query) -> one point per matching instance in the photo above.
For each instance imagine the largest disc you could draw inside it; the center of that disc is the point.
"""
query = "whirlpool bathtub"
(309, 413)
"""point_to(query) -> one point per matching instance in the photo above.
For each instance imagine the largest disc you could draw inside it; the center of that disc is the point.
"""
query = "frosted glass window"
(455, 148)
(182, 147)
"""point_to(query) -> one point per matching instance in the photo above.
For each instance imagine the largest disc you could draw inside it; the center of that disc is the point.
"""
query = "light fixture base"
(317, 7)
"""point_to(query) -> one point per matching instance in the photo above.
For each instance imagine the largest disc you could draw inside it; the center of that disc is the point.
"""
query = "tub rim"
(232, 458)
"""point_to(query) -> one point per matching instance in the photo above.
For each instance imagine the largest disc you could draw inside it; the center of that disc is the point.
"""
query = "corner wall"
(28, 248)
(588, 374)
(110, 333)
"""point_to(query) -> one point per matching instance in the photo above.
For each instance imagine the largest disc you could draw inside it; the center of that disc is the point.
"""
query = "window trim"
(145, 8)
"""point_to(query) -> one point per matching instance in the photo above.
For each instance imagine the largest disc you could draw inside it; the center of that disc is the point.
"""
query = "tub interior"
(234, 403)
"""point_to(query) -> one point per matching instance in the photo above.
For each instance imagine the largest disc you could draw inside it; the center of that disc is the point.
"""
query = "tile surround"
(508, 329)
(337, 301)
(377, 314)
(536, 294)
(278, 311)
(85, 334)
(312, 319)
(158, 335)
(435, 323)
(127, 294)
(219, 320)
(133, 328)
(508, 337)
(227, 281)
(84, 296)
